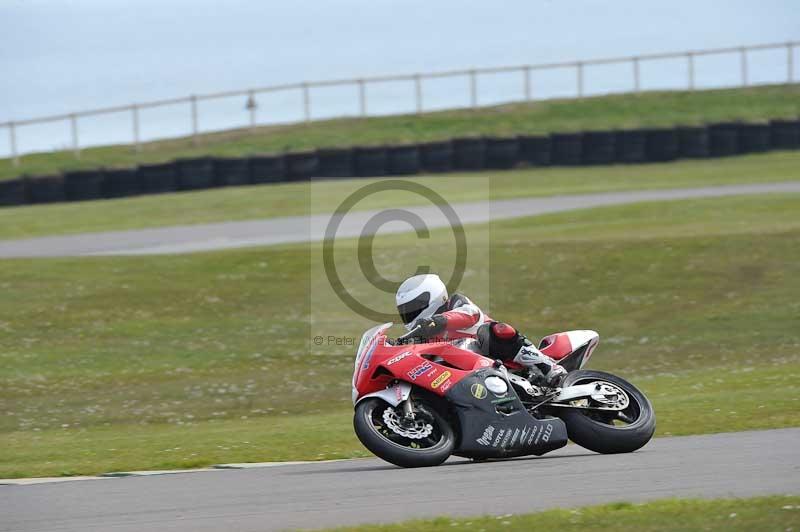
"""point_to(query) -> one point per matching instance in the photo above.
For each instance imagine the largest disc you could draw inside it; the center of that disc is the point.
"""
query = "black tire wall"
(753, 138)
(567, 149)
(536, 150)
(693, 142)
(723, 139)
(784, 134)
(403, 160)
(45, 189)
(371, 161)
(661, 144)
(336, 162)
(630, 146)
(195, 174)
(121, 182)
(599, 147)
(231, 171)
(158, 178)
(13, 192)
(469, 154)
(436, 156)
(267, 169)
(84, 185)
(502, 153)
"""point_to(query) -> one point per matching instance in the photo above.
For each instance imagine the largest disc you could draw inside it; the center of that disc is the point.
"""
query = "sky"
(59, 56)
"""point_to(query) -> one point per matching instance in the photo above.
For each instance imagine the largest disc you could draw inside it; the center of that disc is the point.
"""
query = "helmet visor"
(411, 309)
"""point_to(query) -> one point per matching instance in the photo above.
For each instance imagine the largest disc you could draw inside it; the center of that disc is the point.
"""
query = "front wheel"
(428, 440)
(608, 431)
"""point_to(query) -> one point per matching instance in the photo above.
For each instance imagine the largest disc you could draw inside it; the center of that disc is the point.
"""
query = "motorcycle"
(416, 404)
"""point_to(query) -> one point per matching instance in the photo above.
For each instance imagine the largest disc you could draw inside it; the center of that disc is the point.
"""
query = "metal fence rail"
(416, 79)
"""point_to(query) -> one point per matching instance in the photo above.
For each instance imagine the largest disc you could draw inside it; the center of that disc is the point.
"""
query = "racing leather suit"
(459, 317)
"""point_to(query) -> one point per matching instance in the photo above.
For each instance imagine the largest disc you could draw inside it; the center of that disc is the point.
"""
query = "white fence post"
(579, 78)
(473, 89)
(789, 62)
(193, 102)
(690, 70)
(526, 72)
(636, 85)
(743, 61)
(362, 98)
(306, 103)
(251, 107)
(418, 92)
(135, 122)
(12, 140)
(73, 121)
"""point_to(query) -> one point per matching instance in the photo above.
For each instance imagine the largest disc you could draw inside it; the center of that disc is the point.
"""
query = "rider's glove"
(431, 327)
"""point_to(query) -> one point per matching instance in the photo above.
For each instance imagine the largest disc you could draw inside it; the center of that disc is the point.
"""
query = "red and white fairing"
(558, 346)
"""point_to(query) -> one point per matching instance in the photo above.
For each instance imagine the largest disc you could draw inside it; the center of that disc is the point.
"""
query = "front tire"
(598, 430)
(372, 430)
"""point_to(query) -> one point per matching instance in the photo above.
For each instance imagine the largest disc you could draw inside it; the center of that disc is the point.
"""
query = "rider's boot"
(544, 370)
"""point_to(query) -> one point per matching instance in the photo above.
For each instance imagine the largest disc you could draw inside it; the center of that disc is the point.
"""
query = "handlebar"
(409, 335)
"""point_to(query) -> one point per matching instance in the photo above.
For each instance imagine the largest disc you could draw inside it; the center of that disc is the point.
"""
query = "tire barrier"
(599, 147)
(723, 139)
(536, 150)
(567, 148)
(753, 138)
(336, 162)
(469, 154)
(436, 157)
(466, 153)
(370, 161)
(12, 192)
(403, 160)
(692, 142)
(301, 165)
(231, 171)
(502, 152)
(630, 146)
(661, 144)
(157, 178)
(267, 169)
(195, 174)
(45, 189)
(82, 185)
(121, 182)
(784, 134)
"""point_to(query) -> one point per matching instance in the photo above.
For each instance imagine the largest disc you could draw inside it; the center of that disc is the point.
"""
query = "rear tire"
(376, 437)
(601, 435)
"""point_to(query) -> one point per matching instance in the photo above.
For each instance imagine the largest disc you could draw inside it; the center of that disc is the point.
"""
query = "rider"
(422, 301)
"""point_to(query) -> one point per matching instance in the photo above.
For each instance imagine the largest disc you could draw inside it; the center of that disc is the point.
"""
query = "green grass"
(110, 363)
(242, 203)
(602, 112)
(778, 513)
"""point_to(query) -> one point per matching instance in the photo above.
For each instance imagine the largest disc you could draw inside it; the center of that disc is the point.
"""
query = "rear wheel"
(428, 440)
(623, 430)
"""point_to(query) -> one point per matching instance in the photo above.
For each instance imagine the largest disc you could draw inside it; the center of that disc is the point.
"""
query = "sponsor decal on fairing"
(420, 370)
(438, 381)
(398, 358)
(478, 390)
(486, 438)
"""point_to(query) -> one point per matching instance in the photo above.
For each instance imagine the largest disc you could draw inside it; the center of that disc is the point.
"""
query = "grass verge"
(111, 363)
(780, 513)
(243, 203)
(601, 112)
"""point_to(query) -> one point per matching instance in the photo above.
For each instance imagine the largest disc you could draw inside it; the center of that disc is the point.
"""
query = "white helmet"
(419, 297)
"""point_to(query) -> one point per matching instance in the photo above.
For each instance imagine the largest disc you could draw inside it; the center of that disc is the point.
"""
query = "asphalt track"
(349, 492)
(296, 229)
